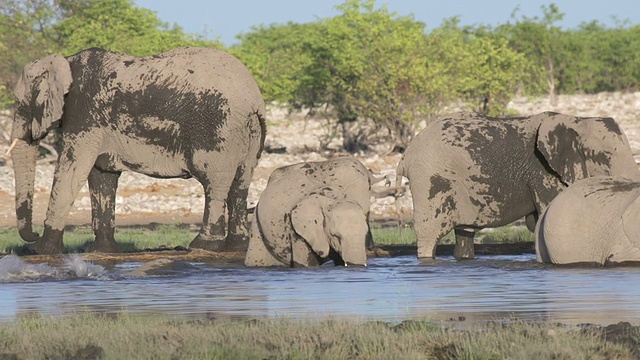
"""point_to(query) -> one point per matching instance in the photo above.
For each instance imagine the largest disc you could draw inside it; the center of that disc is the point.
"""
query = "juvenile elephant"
(467, 172)
(310, 213)
(188, 112)
(595, 220)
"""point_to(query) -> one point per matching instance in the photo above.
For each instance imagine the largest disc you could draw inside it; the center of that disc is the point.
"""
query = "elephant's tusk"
(13, 144)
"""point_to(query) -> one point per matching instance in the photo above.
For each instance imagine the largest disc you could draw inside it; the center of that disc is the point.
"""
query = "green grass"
(123, 336)
(130, 239)
(136, 239)
(406, 235)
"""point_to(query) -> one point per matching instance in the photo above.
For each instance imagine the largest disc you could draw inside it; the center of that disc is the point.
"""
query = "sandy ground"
(141, 199)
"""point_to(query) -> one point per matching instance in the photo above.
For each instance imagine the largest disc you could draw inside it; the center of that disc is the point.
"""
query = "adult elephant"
(188, 112)
(595, 221)
(467, 172)
(312, 212)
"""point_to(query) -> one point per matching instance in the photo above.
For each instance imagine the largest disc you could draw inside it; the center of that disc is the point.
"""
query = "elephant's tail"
(263, 131)
(399, 190)
(400, 173)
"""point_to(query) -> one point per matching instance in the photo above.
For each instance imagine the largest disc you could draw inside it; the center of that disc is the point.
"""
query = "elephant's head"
(39, 105)
(327, 224)
(577, 148)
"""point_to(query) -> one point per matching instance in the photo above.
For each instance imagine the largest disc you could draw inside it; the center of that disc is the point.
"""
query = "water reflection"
(389, 289)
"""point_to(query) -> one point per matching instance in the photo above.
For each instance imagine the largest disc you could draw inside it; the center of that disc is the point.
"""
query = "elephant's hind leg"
(216, 181)
(238, 231)
(464, 244)
(102, 186)
(433, 217)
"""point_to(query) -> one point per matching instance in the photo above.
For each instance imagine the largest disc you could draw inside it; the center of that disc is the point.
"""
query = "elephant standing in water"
(188, 112)
(312, 212)
(595, 220)
(467, 172)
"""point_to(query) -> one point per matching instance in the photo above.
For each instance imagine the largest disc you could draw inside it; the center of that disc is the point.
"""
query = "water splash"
(14, 269)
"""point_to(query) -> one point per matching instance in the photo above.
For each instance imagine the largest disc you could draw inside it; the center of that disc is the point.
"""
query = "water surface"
(389, 289)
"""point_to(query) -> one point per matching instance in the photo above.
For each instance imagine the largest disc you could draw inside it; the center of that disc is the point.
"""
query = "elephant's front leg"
(102, 186)
(258, 253)
(302, 255)
(74, 164)
(464, 244)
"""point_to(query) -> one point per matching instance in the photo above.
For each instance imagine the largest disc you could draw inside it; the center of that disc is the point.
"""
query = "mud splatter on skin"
(439, 184)
(499, 178)
(175, 114)
(613, 186)
(506, 168)
(343, 179)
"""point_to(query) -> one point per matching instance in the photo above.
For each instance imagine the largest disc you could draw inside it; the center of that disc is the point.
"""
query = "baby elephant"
(310, 213)
(593, 221)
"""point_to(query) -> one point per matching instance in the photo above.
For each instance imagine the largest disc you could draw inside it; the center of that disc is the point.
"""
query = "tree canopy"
(374, 74)
(31, 29)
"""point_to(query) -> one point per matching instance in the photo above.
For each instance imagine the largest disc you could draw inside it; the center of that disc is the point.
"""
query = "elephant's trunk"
(24, 166)
(355, 258)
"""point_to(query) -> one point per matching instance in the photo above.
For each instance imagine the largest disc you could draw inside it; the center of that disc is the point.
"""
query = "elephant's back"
(584, 221)
(185, 70)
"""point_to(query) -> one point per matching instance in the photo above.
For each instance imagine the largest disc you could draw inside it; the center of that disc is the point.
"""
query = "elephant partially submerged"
(188, 112)
(310, 213)
(594, 221)
(467, 172)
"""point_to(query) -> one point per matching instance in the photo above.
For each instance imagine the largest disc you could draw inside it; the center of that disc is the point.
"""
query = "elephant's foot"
(464, 245)
(200, 242)
(104, 247)
(231, 243)
(49, 243)
(425, 252)
(236, 243)
(44, 247)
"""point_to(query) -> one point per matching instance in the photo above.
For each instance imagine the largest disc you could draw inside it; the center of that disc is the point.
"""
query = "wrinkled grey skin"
(594, 221)
(188, 112)
(310, 213)
(467, 172)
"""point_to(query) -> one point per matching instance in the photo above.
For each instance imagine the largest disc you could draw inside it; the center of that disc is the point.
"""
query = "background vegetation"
(375, 75)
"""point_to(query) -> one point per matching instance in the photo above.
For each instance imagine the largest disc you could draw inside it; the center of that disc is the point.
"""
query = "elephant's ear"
(308, 221)
(560, 144)
(46, 81)
(631, 221)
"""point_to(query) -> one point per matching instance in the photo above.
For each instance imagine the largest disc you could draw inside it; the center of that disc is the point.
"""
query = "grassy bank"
(135, 337)
(406, 235)
(134, 239)
(131, 239)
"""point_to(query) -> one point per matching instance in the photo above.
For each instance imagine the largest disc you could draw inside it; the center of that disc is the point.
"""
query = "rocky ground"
(142, 199)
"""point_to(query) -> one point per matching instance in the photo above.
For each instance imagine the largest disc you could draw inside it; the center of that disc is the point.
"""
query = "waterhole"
(389, 289)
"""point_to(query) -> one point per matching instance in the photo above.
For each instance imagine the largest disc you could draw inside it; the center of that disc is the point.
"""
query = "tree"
(118, 25)
(538, 39)
(480, 68)
(369, 68)
(32, 29)
(275, 56)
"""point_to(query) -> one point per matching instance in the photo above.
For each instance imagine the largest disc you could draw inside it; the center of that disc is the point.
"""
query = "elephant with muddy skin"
(594, 221)
(467, 172)
(313, 212)
(188, 112)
